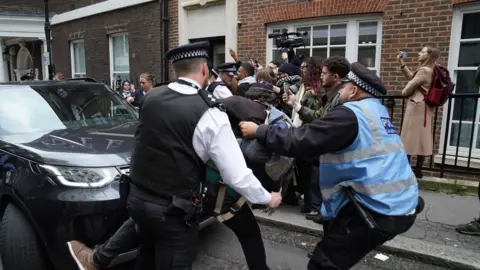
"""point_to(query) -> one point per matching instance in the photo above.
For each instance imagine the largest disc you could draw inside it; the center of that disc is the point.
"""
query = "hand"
(276, 89)
(400, 58)
(275, 201)
(130, 99)
(248, 129)
(289, 99)
(233, 54)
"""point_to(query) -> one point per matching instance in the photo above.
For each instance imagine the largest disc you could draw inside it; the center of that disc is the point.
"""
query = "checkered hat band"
(365, 86)
(189, 54)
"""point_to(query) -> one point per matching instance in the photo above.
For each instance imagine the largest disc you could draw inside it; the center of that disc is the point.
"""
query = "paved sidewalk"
(433, 236)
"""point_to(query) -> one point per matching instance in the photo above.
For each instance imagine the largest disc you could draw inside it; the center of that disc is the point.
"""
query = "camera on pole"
(288, 40)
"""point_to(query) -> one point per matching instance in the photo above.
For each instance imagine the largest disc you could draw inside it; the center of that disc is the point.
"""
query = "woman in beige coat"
(417, 134)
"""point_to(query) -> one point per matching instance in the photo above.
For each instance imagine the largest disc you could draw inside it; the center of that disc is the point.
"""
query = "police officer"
(222, 87)
(361, 155)
(181, 128)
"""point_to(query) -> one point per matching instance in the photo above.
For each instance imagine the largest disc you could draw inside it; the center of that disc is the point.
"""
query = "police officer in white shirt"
(221, 88)
(181, 128)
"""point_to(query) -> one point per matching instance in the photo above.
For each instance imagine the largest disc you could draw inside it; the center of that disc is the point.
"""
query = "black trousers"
(243, 224)
(347, 239)
(167, 242)
(304, 169)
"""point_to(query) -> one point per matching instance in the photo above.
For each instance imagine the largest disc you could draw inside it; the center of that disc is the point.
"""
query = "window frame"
(72, 59)
(353, 30)
(113, 73)
(454, 54)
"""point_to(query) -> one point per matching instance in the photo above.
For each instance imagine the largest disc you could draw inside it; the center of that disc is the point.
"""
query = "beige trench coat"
(417, 137)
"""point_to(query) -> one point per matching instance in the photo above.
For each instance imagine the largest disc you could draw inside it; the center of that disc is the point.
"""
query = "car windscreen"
(28, 109)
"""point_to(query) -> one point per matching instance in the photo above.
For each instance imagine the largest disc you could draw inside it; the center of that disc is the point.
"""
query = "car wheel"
(19, 246)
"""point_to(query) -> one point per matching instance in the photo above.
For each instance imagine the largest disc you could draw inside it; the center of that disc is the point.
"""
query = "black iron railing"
(447, 144)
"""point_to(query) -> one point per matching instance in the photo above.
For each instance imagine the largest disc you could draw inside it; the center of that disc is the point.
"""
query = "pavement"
(285, 250)
(432, 239)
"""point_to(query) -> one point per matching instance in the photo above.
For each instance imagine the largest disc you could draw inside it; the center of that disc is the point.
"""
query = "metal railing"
(447, 148)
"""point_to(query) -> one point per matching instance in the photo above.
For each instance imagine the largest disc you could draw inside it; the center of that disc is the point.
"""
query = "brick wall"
(144, 36)
(56, 6)
(254, 16)
(173, 31)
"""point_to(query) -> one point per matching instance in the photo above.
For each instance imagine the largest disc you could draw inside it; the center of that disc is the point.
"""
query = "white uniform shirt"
(221, 91)
(213, 139)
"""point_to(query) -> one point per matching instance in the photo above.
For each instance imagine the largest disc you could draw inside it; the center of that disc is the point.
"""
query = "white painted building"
(22, 44)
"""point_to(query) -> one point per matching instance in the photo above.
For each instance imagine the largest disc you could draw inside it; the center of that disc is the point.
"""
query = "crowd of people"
(309, 132)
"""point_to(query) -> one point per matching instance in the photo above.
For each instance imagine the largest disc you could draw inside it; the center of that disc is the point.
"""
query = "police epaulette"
(211, 101)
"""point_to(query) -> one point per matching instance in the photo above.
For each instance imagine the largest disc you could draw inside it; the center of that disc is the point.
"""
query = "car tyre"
(19, 246)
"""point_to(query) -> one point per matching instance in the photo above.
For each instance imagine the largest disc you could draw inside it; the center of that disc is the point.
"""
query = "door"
(217, 50)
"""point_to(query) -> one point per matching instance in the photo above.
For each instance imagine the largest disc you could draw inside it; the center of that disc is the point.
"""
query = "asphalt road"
(285, 250)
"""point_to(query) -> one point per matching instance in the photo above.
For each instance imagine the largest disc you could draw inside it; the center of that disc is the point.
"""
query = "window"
(59, 107)
(77, 54)
(119, 59)
(463, 62)
(356, 38)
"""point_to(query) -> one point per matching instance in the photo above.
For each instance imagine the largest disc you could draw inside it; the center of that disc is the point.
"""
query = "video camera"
(288, 40)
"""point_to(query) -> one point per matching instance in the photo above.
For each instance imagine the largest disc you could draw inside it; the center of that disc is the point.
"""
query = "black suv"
(62, 145)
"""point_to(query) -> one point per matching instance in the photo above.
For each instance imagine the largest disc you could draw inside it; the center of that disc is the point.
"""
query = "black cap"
(290, 69)
(366, 79)
(188, 51)
(230, 68)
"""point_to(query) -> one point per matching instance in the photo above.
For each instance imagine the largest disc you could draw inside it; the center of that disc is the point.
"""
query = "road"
(285, 250)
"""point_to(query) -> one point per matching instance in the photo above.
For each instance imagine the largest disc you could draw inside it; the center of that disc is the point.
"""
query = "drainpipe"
(49, 41)
(165, 23)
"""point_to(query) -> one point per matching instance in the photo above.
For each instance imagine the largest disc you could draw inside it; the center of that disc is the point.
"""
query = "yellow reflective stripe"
(376, 149)
(364, 189)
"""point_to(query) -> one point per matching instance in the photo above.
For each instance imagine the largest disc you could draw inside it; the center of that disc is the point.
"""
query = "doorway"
(217, 50)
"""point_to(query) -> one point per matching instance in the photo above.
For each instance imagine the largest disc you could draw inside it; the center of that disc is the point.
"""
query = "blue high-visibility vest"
(375, 166)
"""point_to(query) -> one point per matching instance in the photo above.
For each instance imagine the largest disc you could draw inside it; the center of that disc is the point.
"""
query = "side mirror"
(477, 76)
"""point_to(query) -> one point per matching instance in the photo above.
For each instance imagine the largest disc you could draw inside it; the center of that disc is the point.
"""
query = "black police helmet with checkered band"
(366, 79)
(188, 51)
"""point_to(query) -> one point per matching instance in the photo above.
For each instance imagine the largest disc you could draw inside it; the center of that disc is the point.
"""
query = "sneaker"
(472, 228)
(82, 255)
(318, 219)
(311, 215)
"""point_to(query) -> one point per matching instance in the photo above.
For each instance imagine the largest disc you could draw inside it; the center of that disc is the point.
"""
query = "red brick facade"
(323, 8)
(144, 38)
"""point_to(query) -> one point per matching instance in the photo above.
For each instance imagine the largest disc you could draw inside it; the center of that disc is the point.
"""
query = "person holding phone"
(417, 133)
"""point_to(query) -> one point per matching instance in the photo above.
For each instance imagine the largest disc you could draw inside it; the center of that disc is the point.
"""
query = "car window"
(28, 109)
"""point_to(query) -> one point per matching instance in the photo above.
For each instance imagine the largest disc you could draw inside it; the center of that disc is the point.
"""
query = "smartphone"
(404, 55)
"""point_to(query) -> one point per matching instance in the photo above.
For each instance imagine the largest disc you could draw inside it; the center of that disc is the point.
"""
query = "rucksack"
(442, 87)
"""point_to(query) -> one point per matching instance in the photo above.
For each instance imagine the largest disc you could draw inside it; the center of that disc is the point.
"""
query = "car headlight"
(82, 177)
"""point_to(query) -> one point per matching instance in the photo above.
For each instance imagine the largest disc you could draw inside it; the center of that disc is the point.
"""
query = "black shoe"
(420, 205)
(311, 215)
(305, 209)
(418, 173)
